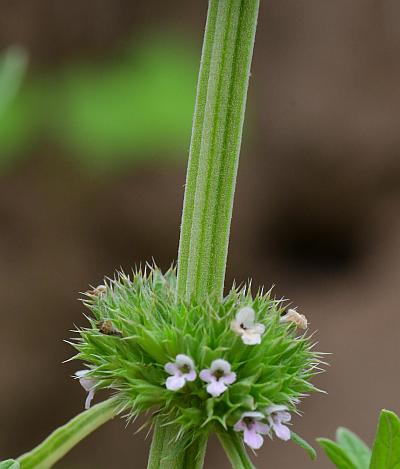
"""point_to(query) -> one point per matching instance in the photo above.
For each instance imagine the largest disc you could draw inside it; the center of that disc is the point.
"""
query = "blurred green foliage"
(135, 106)
(12, 67)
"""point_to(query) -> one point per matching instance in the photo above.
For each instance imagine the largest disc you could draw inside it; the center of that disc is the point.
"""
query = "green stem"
(211, 175)
(235, 450)
(195, 454)
(165, 452)
(62, 440)
(156, 449)
(214, 152)
(168, 453)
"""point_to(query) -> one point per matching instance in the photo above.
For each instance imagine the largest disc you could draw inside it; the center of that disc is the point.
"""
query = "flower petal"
(281, 431)
(275, 408)
(206, 376)
(81, 373)
(174, 383)
(249, 338)
(216, 388)
(235, 327)
(252, 438)
(220, 364)
(246, 316)
(87, 384)
(171, 369)
(191, 376)
(262, 428)
(284, 417)
(229, 378)
(239, 426)
(258, 328)
(182, 360)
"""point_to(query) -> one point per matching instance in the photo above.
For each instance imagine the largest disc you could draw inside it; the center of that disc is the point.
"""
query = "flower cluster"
(237, 364)
(220, 375)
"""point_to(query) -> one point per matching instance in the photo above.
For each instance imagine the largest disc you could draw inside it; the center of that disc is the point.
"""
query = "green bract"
(138, 325)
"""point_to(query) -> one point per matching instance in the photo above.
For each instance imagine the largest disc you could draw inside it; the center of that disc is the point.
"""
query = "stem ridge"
(215, 146)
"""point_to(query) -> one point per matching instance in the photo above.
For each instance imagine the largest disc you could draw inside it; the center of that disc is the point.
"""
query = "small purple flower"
(88, 384)
(277, 416)
(252, 427)
(182, 370)
(219, 376)
(244, 325)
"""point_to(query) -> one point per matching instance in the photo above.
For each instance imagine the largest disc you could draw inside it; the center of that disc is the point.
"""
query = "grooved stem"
(215, 146)
(167, 453)
(210, 182)
(235, 450)
(62, 440)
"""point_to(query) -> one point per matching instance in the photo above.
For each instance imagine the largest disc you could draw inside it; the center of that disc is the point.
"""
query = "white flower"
(252, 427)
(219, 376)
(277, 415)
(296, 318)
(244, 325)
(88, 384)
(182, 370)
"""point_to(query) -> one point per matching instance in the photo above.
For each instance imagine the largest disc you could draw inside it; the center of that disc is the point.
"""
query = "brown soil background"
(316, 213)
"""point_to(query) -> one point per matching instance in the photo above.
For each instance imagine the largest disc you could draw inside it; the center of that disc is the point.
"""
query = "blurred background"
(93, 149)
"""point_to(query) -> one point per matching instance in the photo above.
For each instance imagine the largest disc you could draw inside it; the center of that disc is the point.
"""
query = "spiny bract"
(138, 325)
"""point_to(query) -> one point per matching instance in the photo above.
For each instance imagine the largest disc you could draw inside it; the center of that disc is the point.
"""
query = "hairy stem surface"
(214, 151)
(62, 440)
(210, 182)
(167, 452)
(235, 450)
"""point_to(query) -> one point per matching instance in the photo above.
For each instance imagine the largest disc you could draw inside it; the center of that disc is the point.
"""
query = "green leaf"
(108, 115)
(386, 450)
(336, 454)
(9, 464)
(135, 107)
(303, 444)
(354, 447)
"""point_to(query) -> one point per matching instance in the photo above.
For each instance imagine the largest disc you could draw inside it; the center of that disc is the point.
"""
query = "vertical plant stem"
(211, 178)
(157, 444)
(215, 146)
(62, 440)
(235, 450)
(164, 451)
(195, 454)
(168, 453)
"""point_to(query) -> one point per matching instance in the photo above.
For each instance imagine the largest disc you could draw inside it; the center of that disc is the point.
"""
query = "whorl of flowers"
(229, 365)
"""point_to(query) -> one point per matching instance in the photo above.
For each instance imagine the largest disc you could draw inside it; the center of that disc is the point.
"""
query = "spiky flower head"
(201, 365)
